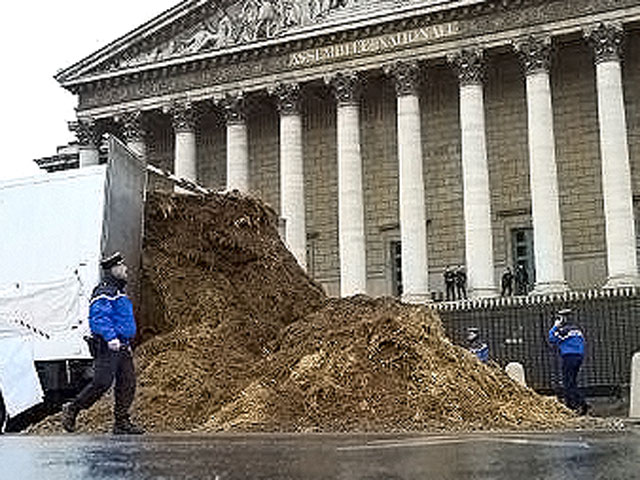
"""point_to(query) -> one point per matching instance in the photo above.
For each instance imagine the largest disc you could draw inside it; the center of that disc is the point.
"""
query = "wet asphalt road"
(591, 456)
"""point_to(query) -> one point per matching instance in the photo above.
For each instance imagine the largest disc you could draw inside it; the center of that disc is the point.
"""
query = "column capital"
(86, 131)
(287, 98)
(406, 76)
(133, 125)
(606, 40)
(346, 86)
(183, 116)
(235, 108)
(534, 53)
(468, 65)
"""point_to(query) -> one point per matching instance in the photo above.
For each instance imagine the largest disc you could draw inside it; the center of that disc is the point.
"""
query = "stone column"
(634, 407)
(88, 141)
(614, 149)
(413, 218)
(475, 173)
(134, 133)
(184, 126)
(535, 54)
(292, 199)
(351, 231)
(237, 143)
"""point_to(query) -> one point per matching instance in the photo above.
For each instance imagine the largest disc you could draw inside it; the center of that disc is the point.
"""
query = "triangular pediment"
(200, 27)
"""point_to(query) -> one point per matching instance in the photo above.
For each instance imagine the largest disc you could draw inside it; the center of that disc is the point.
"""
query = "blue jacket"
(111, 311)
(480, 350)
(569, 339)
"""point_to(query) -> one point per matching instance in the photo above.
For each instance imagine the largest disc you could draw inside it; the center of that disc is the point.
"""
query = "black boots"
(69, 415)
(124, 426)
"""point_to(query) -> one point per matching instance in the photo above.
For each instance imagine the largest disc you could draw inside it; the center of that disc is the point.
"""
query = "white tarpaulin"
(19, 380)
(34, 316)
(54, 314)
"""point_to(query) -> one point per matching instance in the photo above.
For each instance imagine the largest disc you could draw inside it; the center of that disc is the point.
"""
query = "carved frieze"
(346, 86)
(87, 132)
(235, 108)
(287, 98)
(534, 53)
(468, 65)
(406, 76)
(229, 24)
(606, 40)
(228, 70)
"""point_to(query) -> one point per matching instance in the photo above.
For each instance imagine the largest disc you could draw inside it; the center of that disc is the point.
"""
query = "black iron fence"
(516, 330)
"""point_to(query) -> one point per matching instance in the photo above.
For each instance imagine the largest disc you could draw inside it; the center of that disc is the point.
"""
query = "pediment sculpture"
(245, 21)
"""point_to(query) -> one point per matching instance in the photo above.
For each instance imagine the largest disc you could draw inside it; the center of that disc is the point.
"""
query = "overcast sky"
(36, 40)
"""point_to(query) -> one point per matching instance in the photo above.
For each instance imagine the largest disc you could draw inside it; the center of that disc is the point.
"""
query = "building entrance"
(523, 259)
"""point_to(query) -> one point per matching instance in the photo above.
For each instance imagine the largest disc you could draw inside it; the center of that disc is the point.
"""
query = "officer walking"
(113, 327)
(570, 341)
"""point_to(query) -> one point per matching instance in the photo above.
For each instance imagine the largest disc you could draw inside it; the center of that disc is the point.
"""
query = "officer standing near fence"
(476, 346)
(113, 327)
(570, 341)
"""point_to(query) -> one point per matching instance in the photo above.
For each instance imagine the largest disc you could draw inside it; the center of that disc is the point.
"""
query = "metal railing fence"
(516, 330)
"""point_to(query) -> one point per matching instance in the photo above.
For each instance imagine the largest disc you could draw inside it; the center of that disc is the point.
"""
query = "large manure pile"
(236, 337)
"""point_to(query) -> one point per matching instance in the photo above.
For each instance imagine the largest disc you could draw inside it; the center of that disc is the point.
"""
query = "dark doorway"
(396, 267)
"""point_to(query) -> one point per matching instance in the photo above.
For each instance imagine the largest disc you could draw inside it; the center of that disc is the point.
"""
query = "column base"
(416, 298)
(483, 292)
(547, 288)
(622, 281)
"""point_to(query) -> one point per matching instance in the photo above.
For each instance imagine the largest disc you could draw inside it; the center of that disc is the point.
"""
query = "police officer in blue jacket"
(570, 341)
(113, 327)
(476, 346)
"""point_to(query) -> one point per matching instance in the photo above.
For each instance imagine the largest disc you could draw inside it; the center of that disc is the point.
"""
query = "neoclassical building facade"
(396, 137)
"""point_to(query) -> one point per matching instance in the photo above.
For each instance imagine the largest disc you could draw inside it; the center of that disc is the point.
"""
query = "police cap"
(111, 261)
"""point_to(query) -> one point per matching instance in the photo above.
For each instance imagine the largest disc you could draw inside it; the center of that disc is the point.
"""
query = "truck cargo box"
(54, 228)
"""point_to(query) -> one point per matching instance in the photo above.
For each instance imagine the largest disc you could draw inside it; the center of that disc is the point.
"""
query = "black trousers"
(451, 291)
(570, 367)
(108, 366)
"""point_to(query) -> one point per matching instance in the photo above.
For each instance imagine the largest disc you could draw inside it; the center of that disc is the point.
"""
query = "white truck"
(54, 228)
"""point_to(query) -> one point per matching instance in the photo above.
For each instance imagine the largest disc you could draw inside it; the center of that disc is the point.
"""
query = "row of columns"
(535, 54)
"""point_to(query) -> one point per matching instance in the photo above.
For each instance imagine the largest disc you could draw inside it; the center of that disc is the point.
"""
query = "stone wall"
(264, 151)
(321, 183)
(160, 146)
(380, 174)
(211, 145)
(579, 165)
(507, 152)
(631, 78)
(442, 167)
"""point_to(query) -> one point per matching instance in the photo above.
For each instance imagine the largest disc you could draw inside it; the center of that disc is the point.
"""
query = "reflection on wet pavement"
(348, 457)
